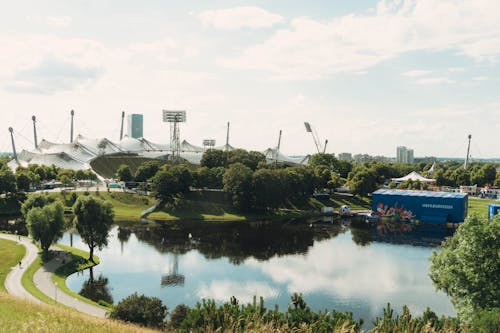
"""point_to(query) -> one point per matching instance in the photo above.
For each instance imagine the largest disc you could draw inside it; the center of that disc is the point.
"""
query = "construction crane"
(317, 141)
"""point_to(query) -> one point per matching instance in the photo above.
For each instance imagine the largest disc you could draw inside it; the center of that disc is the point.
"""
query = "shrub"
(142, 310)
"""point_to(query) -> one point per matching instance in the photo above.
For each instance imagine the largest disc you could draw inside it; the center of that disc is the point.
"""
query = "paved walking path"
(43, 279)
(13, 280)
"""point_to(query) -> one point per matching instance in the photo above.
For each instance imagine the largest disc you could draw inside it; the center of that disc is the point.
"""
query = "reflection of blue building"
(135, 125)
(425, 206)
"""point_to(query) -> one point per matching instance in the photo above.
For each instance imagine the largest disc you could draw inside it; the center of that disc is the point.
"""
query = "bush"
(486, 321)
(178, 315)
(142, 310)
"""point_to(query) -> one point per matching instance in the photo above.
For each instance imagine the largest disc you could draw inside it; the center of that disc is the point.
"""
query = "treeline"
(26, 179)
(250, 182)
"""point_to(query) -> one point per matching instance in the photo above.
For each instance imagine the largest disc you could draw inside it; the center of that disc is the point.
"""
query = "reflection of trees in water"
(96, 289)
(237, 241)
(123, 236)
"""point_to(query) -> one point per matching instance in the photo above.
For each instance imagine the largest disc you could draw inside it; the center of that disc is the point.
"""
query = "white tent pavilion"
(414, 176)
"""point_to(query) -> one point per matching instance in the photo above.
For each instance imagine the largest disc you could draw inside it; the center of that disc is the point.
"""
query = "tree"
(124, 173)
(237, 183)
(23, 181)
(146, 171)
(171, 181)
(36, 200)
(266, 188)
(7, 180)
(213, 158)
(467, 266)
(46, 224)
(249, 159)
(142, 310)
(362, 182)
(322, 159)
(93, 219)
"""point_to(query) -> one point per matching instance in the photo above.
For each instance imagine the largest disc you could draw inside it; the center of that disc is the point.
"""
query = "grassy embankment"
(10, 254)
(214, 206)
(17, 315)
(78, 262)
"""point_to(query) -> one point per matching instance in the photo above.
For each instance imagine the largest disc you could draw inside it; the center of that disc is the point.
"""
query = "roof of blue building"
(432, 194)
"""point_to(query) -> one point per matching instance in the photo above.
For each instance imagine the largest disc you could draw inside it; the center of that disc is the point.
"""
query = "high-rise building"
(135, 124)
(404, 155)
(345, 157)
(409, 156)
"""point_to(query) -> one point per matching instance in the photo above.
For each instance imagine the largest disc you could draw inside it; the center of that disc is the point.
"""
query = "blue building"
(135, 126)
(493, 210)
(424, 206)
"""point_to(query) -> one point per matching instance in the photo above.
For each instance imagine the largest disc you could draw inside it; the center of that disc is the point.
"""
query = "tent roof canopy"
(414, 176)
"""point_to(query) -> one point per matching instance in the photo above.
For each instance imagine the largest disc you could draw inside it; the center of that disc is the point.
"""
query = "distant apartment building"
(404, 155)
(135, 126)
(345, 157)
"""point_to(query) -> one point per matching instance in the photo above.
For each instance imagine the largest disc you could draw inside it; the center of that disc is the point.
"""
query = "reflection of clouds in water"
(339, 268)
(222, 290)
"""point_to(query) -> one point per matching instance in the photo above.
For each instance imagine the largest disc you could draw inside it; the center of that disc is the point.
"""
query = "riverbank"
(213, 206)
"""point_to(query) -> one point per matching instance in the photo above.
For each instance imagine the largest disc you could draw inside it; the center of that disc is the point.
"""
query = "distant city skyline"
(368, 75)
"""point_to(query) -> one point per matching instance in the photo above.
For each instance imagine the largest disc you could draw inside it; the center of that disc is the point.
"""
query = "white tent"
(414, 176)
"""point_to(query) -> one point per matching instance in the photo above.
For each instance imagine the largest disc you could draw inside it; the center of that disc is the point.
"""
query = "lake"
(335, 266)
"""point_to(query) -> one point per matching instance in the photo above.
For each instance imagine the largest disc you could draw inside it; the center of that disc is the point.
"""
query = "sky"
(368, 75)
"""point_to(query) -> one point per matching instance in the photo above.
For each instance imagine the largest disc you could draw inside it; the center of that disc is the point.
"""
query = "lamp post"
(55, 291)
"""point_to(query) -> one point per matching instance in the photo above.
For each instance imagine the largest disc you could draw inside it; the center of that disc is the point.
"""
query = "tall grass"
(17, 315)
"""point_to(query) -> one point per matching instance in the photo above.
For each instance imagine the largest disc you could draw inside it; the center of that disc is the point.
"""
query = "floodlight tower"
(174, 118)
(71, 133)
(173, 278)
(34, 131)
(278, 149)
(208, 143)
(11, 130)
(121, 128)
(310, 129)
(227, 137)
(468, 151)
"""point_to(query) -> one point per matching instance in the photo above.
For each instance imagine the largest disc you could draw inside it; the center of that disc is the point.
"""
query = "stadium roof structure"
(79, 154)
(274, 155)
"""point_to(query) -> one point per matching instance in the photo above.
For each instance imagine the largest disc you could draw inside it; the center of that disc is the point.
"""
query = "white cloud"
(312, 49)
(240, 17)
(434, 80)
(243, 291)
(480, 78)
(416, 73)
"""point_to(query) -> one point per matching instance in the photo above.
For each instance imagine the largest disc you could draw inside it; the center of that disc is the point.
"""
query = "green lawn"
(78, 263)
(29, 285)
(10, 254)
(197, 210)
(480, 206)
(127, 206)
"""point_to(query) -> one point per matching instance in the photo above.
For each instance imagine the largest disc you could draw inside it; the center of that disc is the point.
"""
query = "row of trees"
(44, 216)
(25, 179)
(254, 184)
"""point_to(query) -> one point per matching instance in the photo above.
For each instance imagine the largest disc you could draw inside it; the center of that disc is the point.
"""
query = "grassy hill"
(10, 254)
(18, 315)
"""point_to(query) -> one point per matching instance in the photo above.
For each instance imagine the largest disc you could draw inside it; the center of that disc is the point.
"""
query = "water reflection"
(347, 266)
(236, 241)
(96, 289)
